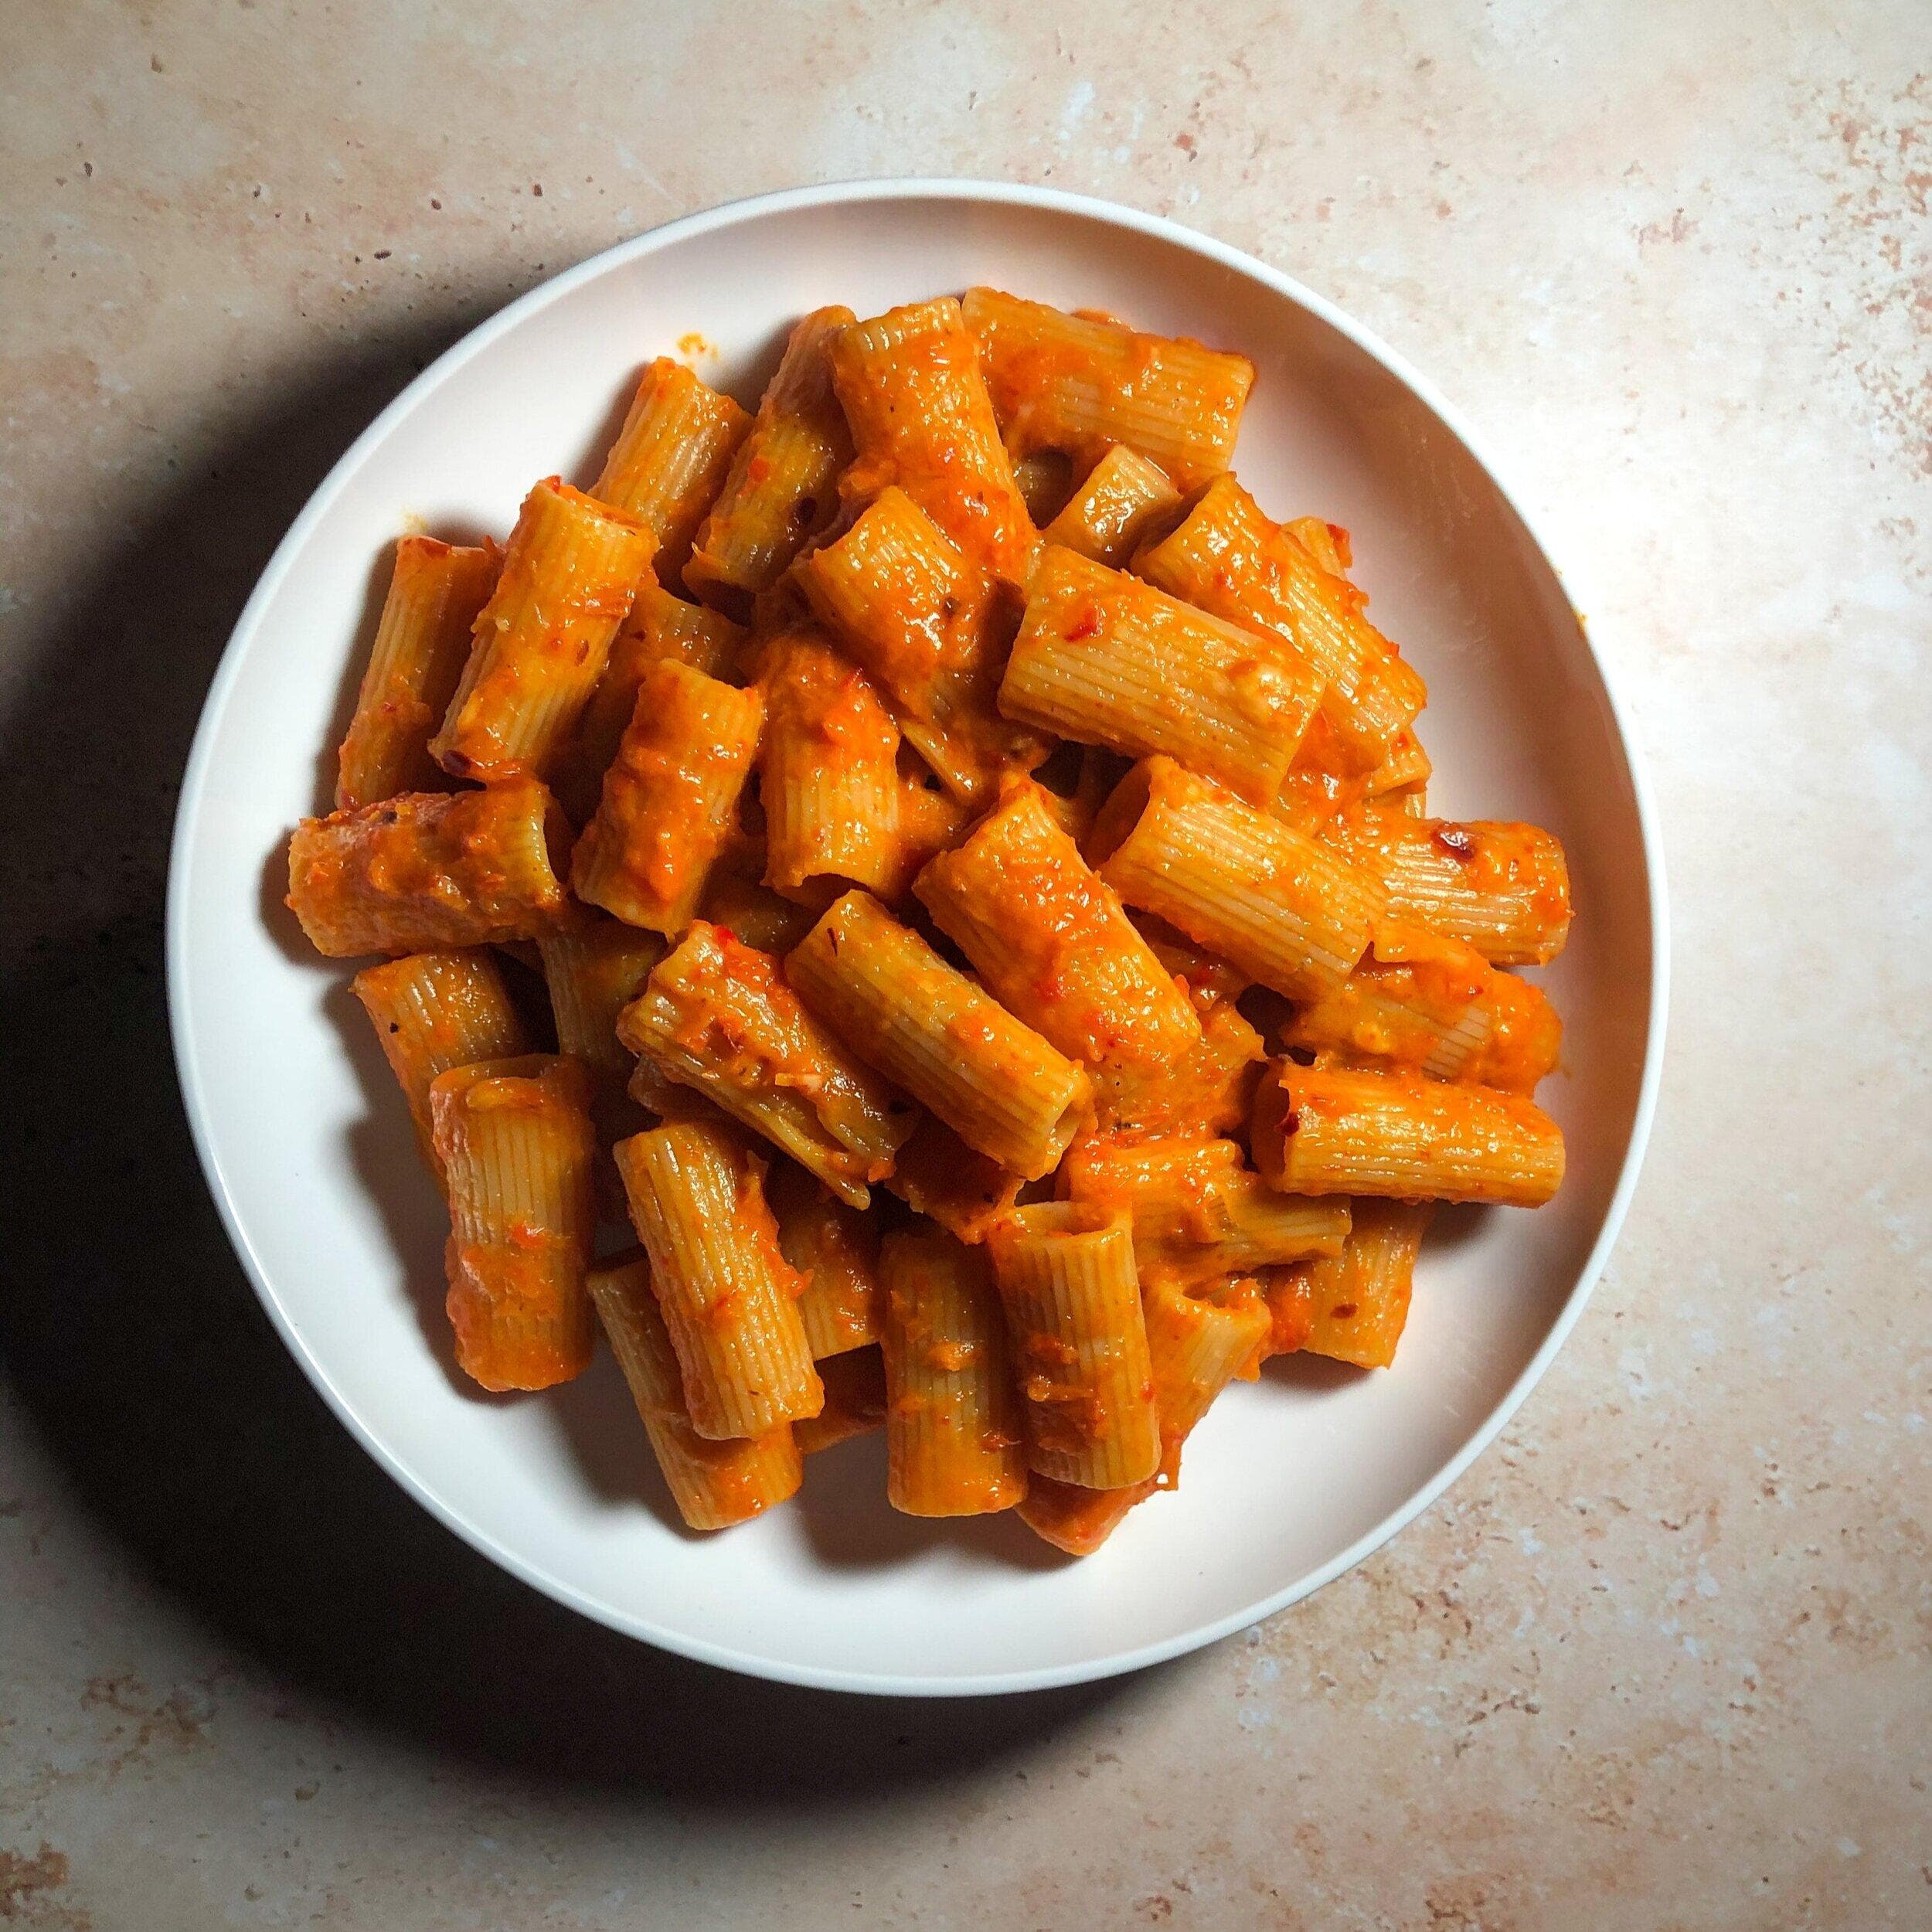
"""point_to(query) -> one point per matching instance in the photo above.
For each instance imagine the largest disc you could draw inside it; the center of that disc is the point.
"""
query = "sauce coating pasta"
(1003, 958)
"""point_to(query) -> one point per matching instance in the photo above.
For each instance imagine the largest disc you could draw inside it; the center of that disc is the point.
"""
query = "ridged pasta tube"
(1323, 1130)
(436, 591)
(514, 1140)
(925, 1025)
(714, 1483)
(434, 1011)
(729, 1299)
(955, 1443)
(1078, 1343)
(569, 571)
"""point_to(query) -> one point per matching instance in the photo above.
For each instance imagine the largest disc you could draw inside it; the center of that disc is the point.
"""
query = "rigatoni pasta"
(938, 1176)
(1525, 1038)
(436, 591)
(434, 1011)
(1502, 888)
(915, 396)
(783, 489)
(1328, 1131)
(1357, 1302)
(1403, 775)
(855, 1400)
(670, 798)
(659, 626)
(714, 1483)
(1009, 971)
(716, 1016)
(835, 1249)
(430, 871)
(1045, 483)
(1052, 942)
(1000, 1087)
(1105, 659)
(930, 820)
(729, 1299)
(1078, 1342)
(593, 968)
(736, 897)
(1229, 558)
(1197, 1345)
(932, 629)
(1111, 514)
(1414, 998)
(1080, 383)
(1198, 1212)
(569, 574)
(1285, 909)
(1075, 809)
(1418, 998)
(1205, 1093)
(1328, 544)
(671, 458)
(828, 769)
(955, 1443)
(514, 1140)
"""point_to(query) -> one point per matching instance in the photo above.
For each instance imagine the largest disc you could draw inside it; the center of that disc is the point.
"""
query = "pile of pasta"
(997, 956)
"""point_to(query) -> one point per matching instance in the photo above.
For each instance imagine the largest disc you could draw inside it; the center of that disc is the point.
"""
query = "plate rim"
(178, 970)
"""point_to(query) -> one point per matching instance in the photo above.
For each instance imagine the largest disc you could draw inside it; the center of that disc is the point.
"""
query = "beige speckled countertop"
(1661, 1658)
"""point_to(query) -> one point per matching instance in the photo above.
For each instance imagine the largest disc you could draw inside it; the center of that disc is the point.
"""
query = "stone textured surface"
(1661, 1659)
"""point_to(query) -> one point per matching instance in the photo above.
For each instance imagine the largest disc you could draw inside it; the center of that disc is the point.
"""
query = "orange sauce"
(669, 798)
(921, 418)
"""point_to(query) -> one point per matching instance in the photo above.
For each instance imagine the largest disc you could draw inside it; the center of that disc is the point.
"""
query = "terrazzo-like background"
(1661, 1659)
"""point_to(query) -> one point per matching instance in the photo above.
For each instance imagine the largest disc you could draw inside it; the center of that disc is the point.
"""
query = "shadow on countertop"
(130, 1334)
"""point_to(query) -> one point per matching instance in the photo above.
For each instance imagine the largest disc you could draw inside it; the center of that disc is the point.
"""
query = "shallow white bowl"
(309, 1154)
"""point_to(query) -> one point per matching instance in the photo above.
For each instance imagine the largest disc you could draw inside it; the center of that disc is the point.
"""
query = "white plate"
(308, 1150)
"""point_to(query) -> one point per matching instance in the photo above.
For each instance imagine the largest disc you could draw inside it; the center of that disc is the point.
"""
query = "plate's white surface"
(308, 1150)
